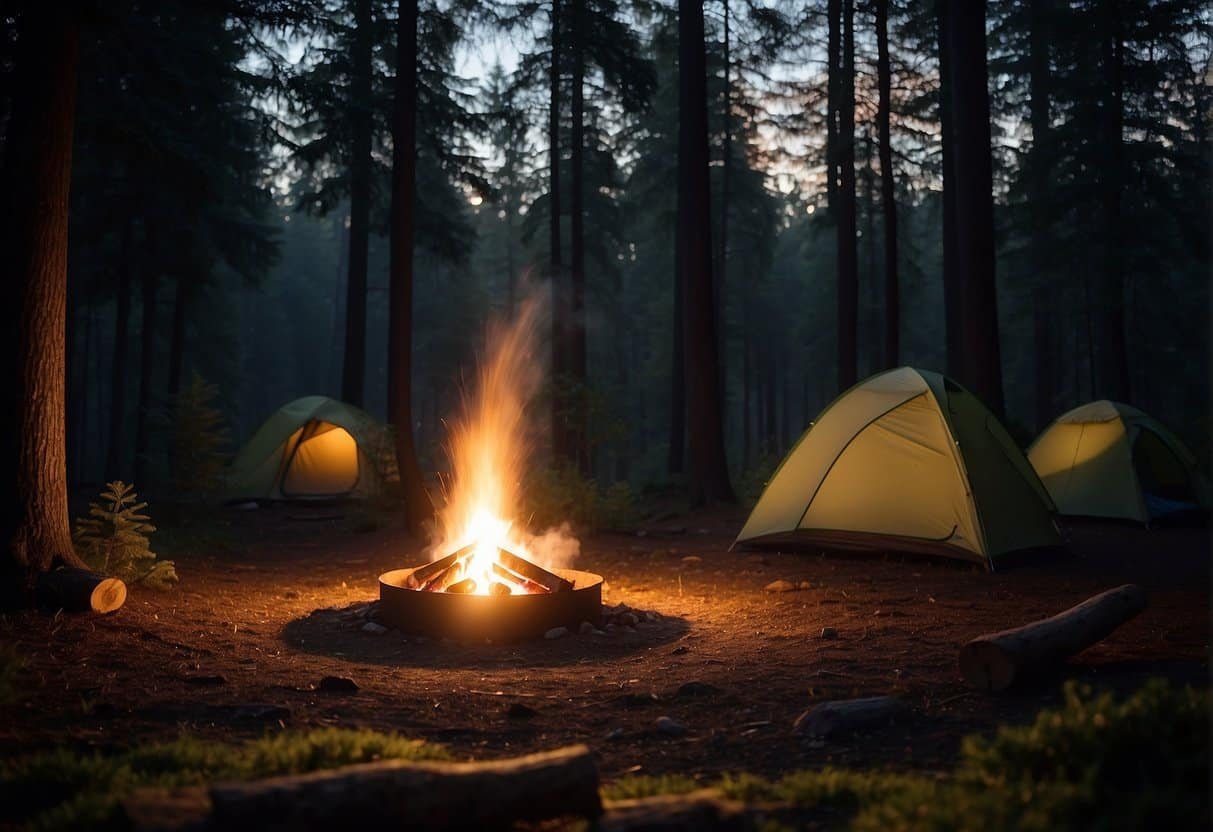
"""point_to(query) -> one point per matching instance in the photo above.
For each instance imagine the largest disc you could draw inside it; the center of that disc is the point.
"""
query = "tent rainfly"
(906, 460)
(311, 448)
(1107, 459)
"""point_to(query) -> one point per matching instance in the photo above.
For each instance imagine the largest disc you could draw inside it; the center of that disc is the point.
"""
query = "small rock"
(260, 712)
(780, 586)
(690, 559)
(586, 628)
(337, 684)
(613, 734)
(696, 688)
(290, 595)
(610, 628)
(206, 680)
(556, 632)
(629, 619)
(650, 616)
(804, 585)
(829, 633)
(373, 628)
(679, 650)
(517, 710)
(670, 727)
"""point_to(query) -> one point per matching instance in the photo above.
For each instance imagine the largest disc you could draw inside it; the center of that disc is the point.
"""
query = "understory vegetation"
(1095, 762)
(114, 538)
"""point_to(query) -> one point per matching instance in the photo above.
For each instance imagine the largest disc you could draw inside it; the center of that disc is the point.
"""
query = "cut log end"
(986, 667)
(109, 595)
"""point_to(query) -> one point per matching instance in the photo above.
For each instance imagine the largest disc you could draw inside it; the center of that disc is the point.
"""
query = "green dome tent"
(906, 460)
(1107, 459)
(311, 448)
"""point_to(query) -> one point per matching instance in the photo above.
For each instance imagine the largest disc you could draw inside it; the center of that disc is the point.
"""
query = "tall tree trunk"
(888, 198)
(708, 469)
(36, 181)
(1041, 247)
(676, 460)
(951, 276)
(873, 318)
(747, 382)
(353, 367)
(417, 506)
(833, 102)
(1114, 350)
(115, 449)
(147, 354)
(578, 440)
(769, 379)
(722, 264)
(981, 366)
(848, 255)
(79, 449)
(559, 338)
(176, 347)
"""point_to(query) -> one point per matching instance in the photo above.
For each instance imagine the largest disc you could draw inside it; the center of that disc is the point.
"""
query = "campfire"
(488, 576)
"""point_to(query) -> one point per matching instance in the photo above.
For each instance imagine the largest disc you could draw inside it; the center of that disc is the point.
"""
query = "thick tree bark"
(147, 354)
(888, 198)
(833, 101)
(417, 506)
(1042, 247)
(848, 255)
(1115, 363)
(722, 263)
(559, 305)
(707, 466)
(115, 449)
(951, 278)
(980, 360)
(36, 182)
(578, 440)
(353, 367)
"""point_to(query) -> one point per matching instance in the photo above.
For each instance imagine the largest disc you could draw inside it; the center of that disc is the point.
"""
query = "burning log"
(465, 587)
(441, 581)
(528, 586)
(532, 572)
(993, 662)
(423, 573)
(498, 588)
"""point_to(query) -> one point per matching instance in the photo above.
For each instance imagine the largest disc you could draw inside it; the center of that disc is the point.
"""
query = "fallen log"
(704, 809)
(79, 590)
(424, 573)
(994, 662)
(527, 585)
(406, 795)
(845, 716)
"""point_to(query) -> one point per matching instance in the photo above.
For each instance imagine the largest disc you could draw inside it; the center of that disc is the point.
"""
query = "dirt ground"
(240, 646)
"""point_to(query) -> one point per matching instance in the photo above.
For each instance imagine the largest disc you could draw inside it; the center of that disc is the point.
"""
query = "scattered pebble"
(517, 710)
(373, 628)
(290, 595)
(614, 734)
(829, 633)
(804, 585)
(780, 586)
(586, 628)
(670, 727)
(689, 559)
(337, 684)
(556, 632)
(679, 650)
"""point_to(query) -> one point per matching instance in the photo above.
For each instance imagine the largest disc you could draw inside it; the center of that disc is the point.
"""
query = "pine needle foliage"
(200, 440)
(113, 539)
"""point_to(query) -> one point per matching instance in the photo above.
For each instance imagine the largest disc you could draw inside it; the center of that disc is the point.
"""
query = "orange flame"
(489, 447)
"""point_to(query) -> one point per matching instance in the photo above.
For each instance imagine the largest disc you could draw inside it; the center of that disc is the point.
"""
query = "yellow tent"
(314, 447)
(906, 460)
(1107, 459)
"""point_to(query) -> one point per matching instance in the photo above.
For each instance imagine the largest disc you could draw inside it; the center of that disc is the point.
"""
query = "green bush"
(200, 440)
(644, 785)
(62, 789)
(113, 539)
(561, 495)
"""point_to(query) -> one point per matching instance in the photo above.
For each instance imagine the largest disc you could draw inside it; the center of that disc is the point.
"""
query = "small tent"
(1107, 459)
(311, 448)
(906, 460)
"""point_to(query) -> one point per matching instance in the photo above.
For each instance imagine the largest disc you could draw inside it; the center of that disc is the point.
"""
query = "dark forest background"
(231, 190)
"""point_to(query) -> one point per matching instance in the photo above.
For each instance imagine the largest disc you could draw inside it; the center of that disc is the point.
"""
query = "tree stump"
(994, 662)
(79, 590)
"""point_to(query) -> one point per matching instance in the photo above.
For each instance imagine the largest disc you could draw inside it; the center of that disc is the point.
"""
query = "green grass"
(64, 789)
(1096, 762)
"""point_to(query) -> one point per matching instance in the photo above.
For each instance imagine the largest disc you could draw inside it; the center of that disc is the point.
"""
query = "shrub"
(554, 496)
(113, 539)
(199, 439)
(644, 785)
(62, 789)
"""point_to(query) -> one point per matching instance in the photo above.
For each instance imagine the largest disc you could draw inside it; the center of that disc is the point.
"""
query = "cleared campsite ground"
(239, 648)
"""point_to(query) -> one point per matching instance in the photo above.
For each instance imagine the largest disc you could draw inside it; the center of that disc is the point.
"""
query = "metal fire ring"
(496, 617)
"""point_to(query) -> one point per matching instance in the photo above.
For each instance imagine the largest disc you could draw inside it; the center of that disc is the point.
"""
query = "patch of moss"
(644, 785)
(64, 789)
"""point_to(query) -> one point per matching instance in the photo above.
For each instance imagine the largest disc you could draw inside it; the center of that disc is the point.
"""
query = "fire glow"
(480, 548)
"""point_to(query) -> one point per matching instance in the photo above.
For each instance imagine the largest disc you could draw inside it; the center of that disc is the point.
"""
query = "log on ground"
(396, 794)
(701, 810)
(996, 661)
(79, 590)
(845, 716)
